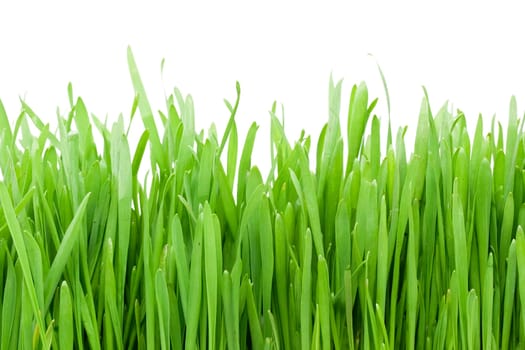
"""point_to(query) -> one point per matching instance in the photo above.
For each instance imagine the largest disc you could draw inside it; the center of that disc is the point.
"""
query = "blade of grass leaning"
(231, 163)
(18, 240)
(5, 126)
(139, 153)
(245, 162)
(9, 304)
(35, 259)
(358, 114)
(145, 110)
(63, 253)
(231, 121)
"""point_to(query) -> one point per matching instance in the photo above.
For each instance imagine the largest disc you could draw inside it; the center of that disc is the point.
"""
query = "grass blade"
(65, 318)
(18, 239)
(66, 246)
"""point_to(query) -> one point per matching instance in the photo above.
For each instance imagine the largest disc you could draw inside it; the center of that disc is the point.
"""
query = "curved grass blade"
(157, 152)
(18, 239)
(62, 256)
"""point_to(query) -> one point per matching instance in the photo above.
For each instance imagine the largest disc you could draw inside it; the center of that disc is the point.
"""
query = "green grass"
(354, 244)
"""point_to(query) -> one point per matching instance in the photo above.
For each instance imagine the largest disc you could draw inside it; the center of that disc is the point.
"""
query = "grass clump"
(372, 251)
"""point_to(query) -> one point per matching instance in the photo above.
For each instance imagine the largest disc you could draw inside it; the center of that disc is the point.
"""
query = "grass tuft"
(365, 249)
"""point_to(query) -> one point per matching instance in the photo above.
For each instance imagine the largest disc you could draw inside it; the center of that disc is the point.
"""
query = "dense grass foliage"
(363, 248)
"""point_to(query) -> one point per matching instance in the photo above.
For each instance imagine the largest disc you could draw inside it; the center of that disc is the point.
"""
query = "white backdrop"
(471, 55)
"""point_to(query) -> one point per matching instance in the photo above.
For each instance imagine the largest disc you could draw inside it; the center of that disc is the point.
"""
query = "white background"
(471, 55)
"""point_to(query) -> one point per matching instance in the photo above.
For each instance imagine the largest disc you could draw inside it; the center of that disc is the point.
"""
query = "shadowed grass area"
(362, 249)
